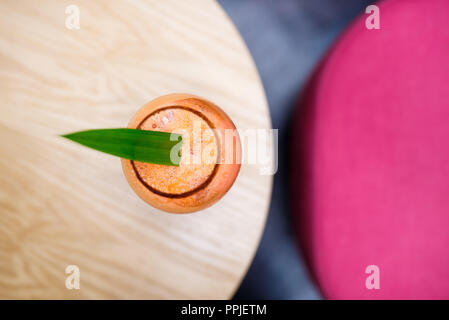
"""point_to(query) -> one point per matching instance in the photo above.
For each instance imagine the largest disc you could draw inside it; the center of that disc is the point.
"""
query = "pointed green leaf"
(133, 144)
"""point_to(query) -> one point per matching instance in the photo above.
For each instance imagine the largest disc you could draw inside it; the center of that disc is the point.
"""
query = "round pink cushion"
(371, 157)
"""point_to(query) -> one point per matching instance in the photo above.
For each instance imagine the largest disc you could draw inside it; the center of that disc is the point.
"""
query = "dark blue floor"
(286, 38)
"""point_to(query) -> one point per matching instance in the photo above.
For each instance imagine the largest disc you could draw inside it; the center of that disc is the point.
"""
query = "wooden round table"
(63, 204)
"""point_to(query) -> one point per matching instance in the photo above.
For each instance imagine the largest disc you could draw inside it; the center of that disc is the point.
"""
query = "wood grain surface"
(62, 204)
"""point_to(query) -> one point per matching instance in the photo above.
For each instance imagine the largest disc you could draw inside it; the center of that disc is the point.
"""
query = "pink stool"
(371, 157)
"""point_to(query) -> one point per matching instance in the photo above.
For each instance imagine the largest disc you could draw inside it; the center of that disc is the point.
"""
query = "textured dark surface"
(287, 38)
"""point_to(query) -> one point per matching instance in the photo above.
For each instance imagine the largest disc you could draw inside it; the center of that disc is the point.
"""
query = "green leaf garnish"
(133, 144)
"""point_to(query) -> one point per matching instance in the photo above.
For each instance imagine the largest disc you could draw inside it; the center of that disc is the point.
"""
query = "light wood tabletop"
(63, 204)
